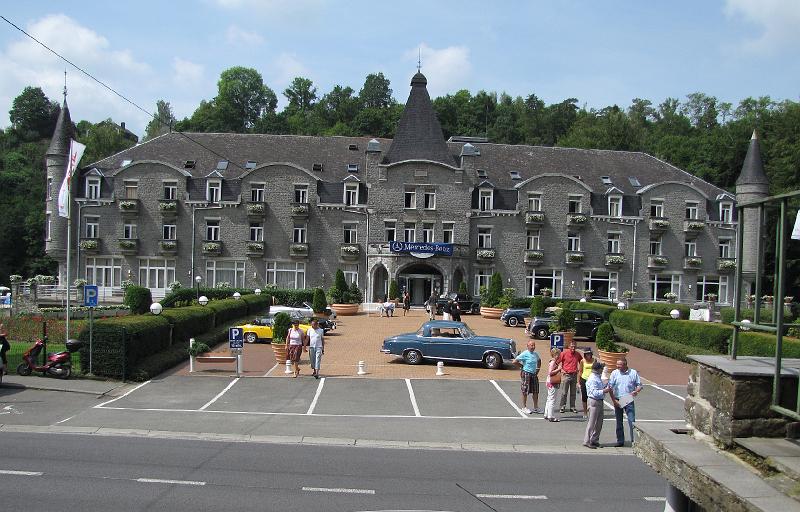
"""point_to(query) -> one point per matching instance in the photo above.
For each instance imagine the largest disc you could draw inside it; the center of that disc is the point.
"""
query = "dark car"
(586, 323)
(440, 339)
(466, 304)
(515, 316)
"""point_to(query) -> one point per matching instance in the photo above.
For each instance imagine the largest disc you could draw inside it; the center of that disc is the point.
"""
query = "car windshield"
(467, 332)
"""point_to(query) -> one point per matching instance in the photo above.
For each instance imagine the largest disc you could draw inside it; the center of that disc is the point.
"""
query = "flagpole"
(69, 242)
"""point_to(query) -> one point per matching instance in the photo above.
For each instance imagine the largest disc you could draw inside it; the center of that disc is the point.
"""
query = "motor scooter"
(58, 364)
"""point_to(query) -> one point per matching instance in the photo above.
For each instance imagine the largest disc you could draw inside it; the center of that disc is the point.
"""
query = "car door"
(442, 345)
(583, 324)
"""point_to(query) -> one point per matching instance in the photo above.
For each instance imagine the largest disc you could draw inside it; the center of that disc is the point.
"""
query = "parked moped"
(58, 364)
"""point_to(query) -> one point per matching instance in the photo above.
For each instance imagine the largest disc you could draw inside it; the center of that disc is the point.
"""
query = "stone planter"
(209, 358)
(610, 360)
(345, 309)
(280, 351)
(569, 336)
(493, 313)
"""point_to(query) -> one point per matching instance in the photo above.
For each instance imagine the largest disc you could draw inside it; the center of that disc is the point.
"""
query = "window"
(575, 204)
(213, 191)
(47, 226)
(485, 200)
(448, 232)
(92, 227)
(212, 229)
(532, 240)
(350, 273)
(49, 188)
(534, 202)
(222, 165)
(301, 194)
(726, 213)
(351, 194)
(250, 164)
(481, 173)
(169, 231)
(390, 228)
(156, 273)
(170, 190)
(409, 231)
(690, 248)
(606, 180)
(655, 245)
(634, 181)
(601, 283)
(189, 164)
(225, 271)
(663, 283)
(299, 234)
(709, 284)
(131, 189)
(535, 280)
(615, 206)
(256, 232)
(691, 210)
(573, 241)
(284, 274)
(129, 231)
(656, 208)
(104, 272)
(427, 232)
(352, 167)
(93, 188)
(410, 199)
(614, 245)
(514, 175)
(725, 250)
(485, 238)
(429, 200)
(350, 235)
(257, 192)
(482, 278)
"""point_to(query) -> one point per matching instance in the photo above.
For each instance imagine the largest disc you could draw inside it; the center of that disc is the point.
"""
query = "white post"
(362, 368)
(439, 369)
(191, 357)
(676, 500)
(288, 367)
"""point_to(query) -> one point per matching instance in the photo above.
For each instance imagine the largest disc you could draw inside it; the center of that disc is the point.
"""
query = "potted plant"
(341, 297)
(509, 294)
(671, 296)
(547, 292)
(768, 299)
(608, 350)
(788, 300)
(280, 327)
(588, 293)
(491, 299)
(394, 291)
(750, 298)
(319, 304)
(565, 323)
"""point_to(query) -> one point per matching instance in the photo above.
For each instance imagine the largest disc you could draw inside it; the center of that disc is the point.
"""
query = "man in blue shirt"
(529, 376)
(625, 385)
(595, 390)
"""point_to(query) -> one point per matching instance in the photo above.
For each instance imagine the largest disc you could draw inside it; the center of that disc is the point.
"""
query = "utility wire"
(111, 89)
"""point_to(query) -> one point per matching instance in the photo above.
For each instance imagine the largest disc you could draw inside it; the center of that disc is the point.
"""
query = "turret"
(751, 185)
(56, 166)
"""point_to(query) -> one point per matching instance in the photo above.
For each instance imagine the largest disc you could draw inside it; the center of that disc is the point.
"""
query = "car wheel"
(413, 356)
(542, 333)
(251, 337)
(475, 309)
(512, 321)
(493, 361)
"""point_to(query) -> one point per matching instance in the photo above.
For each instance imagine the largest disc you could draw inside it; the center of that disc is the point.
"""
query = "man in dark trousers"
(432, 306)
(570, 360)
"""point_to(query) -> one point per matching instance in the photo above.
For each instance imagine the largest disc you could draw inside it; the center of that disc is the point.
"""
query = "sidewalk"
(74, 385)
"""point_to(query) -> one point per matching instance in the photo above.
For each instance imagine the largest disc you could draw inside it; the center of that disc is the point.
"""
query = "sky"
(602, 52)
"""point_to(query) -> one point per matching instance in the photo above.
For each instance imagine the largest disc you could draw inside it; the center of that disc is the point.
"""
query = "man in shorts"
(530, 362)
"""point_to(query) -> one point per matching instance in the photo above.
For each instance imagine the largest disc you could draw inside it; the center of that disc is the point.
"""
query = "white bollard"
(439, 369)
(362, 368)
(191, 358)
(288, 370)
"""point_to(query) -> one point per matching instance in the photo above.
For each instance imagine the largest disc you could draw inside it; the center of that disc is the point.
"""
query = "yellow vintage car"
(260, 329)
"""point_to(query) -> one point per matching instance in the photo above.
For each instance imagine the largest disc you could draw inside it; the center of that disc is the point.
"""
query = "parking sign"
(236, 337)
(90, 296)
(557, 341)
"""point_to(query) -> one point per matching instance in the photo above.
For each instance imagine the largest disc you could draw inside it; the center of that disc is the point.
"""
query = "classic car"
(305, 310)
(260, 329)
(586, 323)
(515, 316)
(448, 340)
(466, 304)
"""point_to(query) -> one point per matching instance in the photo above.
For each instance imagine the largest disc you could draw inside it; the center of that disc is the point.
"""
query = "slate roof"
(753, 167)
(59, 144)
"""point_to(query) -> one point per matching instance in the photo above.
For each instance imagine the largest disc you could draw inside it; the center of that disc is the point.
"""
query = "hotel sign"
(422, 249)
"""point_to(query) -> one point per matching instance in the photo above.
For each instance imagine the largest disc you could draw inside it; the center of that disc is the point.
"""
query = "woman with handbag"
(553, 385)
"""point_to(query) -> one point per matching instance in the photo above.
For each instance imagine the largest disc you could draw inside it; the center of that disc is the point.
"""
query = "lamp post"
(156, 308)
(613, 292)
(237, 295)
(257, 291)
(197, 280)
(203, 300)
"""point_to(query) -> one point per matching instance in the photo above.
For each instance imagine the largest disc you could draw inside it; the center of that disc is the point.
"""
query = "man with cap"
(595, 389)
(584, 371)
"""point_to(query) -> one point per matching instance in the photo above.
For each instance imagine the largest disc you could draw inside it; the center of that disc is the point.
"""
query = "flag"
(796, 230)
(76, 150)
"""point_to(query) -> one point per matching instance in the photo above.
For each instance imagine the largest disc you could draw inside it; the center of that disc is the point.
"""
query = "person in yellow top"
(585, 372)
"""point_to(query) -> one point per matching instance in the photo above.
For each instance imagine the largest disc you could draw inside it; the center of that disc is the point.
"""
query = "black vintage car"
(466, 303)
(586, 324)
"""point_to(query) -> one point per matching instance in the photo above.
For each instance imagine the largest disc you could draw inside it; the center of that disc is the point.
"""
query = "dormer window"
(352, 167)
(353, 147)
(726, 212)
(222, 165)
(250, 164)
(93, 187)
(615, 206)
(189, 164)
(486, 200)
(351, 194)
(606, 180)
(515, 175)
(316, 167)
(126, 162)
(482, 173)
(213, 191)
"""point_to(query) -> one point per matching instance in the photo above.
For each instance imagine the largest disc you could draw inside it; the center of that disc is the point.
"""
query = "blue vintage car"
(454, 341)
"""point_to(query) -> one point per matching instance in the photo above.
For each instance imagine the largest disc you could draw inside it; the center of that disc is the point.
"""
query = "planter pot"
(345, 309)
(610, 360)
(491, 312)
(569, 336)
(280, 352)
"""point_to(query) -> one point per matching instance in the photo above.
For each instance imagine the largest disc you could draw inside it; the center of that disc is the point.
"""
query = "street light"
(621, 305)
(675, 314)
(613, 293)
(203, 300)
(197, 280)
(156, 308)
(257, 291)
(237, 295)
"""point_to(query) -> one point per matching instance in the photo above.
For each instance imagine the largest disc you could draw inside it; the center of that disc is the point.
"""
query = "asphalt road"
(76, 472)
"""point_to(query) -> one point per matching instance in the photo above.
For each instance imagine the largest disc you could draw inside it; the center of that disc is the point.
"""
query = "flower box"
(350, 251)
(255, 209)
(574, 258)
(299, 210)
(298, 250)
(656, 261)
(693, 227)
(90, 245)
(534, 257)
(534, 218)
(168, 247)
(692, 262)
(726, 265)
(128, 245)
(212, 247)
(129, 206)
(615, 260)
(255, 249)
(659, 224)
(577, 220)
(484, 254)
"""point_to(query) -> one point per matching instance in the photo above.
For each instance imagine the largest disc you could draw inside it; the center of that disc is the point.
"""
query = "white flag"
(796, 230)
(76, 150)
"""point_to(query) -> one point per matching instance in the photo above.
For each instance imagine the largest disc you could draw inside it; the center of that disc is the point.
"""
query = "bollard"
(191, 357)
(439, 369)
(362, 368)
(288, 369)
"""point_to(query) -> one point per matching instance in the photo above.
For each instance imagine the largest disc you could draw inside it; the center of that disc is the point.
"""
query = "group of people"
(569, 370)
(450, 309)
(311, 340)
(388, 306)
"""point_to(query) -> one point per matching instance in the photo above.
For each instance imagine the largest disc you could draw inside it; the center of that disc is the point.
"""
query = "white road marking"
(669, 392)
(100, 406)
(339, 490)
(9, 409)
(512, 496)
(64, 420)
(316, 397)
(508, 399)
(270, 370)
(413, 398)
(20, 473)
(176, 482)
(219, 395)
(655, 498)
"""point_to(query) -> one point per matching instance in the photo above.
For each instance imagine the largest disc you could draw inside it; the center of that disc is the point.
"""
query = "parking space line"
(270, 370)
(20, 473)
(229, 386)
(668, 392)
(508, 399)
(316, 397)
(512, 496)
(100, 406)
(171, 482)
(339, 490)
(412, 397)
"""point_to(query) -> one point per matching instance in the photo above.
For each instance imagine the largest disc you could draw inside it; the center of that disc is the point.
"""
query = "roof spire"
(753, 167)
(65, 86)
(419, 60)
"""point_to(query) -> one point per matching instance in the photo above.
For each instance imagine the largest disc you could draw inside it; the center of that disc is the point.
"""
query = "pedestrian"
(316, 346)
(430, 306)
(569, 359)
(596, 390)
(455, 310)
(625, 385)
(4, 347)
(406, 302)
(553, 384)
(585, 372)
(295, 341)
(446, 310)
(530, 364)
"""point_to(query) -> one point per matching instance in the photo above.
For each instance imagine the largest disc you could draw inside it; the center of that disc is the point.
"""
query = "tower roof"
(419, 134)
(753, 167)
(59, 144)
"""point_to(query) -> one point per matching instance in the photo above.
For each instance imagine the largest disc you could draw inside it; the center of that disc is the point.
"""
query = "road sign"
(236, 337)
(90, 296)
(557, 341)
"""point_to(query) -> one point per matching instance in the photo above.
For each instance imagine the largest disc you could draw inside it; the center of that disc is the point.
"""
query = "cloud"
(446, 69)
(186, 71)
(274, 9)
(778, 20)
(287, 68)
(239, 36)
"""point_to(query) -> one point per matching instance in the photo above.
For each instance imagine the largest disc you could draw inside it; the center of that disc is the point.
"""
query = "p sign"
(236, 337)
(557, 341)
(90, 296)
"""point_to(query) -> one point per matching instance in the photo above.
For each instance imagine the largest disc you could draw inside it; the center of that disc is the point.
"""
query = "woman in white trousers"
(553, 374)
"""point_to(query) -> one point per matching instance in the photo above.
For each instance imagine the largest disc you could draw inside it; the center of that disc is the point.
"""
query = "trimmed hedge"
(711, 336)
(661, 308)
(661, 346)
(138, 298)
(762, 344)
(189, 322)
(748, 313)
(527, 302)
(187, 296)
(643, 323)
(257, 304)
(603, 309)
(227, 309)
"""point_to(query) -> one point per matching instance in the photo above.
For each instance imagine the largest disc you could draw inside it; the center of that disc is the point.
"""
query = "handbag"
(555, 379)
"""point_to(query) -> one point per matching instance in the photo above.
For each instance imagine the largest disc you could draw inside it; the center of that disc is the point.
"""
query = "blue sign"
(236, 337)
(557, 341)
(90, 296)
(422, 248)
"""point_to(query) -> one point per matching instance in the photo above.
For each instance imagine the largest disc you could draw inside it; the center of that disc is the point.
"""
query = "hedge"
(527, 302)
(227, 309)
(748, 313)
(762, 344)
(257, 304)
(138, 298)
(711, 336)
(603, 309)
(292, 298)
(187, 296)
(189, 321)
(661, 308)
(661, 346)
(643, 323)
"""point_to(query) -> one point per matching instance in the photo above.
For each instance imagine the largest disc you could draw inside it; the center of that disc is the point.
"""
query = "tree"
(393, 289)
(319, 303)
(301, 94)
(163, 121)
(376, 92)
(102, 139)
(32, 115)
(242, 99)
(338, 106)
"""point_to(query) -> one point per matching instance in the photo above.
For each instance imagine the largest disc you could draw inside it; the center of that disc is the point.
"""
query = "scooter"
(59, 364)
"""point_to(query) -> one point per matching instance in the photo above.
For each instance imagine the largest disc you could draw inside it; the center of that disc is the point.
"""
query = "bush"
(462, 287)
(138, 298)
(319, 303)
(257, 304)
(189, 322)
(706, 335)
(188, 296)
(643, 323)
(280, 328)
(661, 308)
(292, 298)
(354, 295)
(509, 294)
(726, 314)
(537, 306)
(337, 294)
(494, 293)
(197, 349)
(227, 309)
(761, 344)
(660, 346)
(394, 291)
(605, 339)
(603, 309)
(565, 319)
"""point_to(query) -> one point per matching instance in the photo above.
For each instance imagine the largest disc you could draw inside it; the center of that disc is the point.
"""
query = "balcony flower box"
(168, 247)
(129, 206)
(255, 209)
(534, 257)
(659, 224)
(534, 218)
(574, 258)
(350, 251)
(725, 265)
(212, 248)
(90, 245)
(577, 220)
(298, 250)
(657, 261)
(129, 245)
(299, 210)
(693, 227)
(485, 254)
(691, 262)
(615, 260)
(255, 249)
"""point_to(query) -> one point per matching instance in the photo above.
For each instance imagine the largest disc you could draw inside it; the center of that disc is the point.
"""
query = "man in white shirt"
(625, 385)
(316, 346)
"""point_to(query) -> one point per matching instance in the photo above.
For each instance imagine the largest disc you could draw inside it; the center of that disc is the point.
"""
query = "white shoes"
(526, 410)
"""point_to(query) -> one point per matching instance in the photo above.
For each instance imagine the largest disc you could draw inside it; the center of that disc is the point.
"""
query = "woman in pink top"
(295, 340)
(553, 370)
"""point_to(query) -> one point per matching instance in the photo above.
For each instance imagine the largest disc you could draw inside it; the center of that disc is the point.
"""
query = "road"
(83, 472)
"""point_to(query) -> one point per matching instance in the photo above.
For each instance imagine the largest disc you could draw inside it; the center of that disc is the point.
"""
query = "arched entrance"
(380, 283)
(420, 279)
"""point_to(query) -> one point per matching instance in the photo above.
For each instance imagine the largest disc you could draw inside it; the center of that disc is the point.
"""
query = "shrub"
(337, 294)
(257, 304)
(749, 313)
(462, 287)
(138, 298)
(603, 309)
(319, 303)
(761, 344)
(605, 339)
(660, 346)
(189, 322)
(565, 319)
(706, 335)
(509, 294)
(537, 306)
(354, 295)
(394, 291)
(494, 293)
(661, 308)
(227, 309)
(643, 323)
(280, 328)
(197, 349)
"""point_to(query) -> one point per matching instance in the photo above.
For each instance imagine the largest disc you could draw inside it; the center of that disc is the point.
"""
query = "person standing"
(406, 302)
(446, 310)
(570, 360)
(595, 390)
(295, 341)
(553, 384)
(584, 373)
(5, 346)
(531, 363)
(625, 385)
(316, 346)
(431, 306)
(455, 310)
